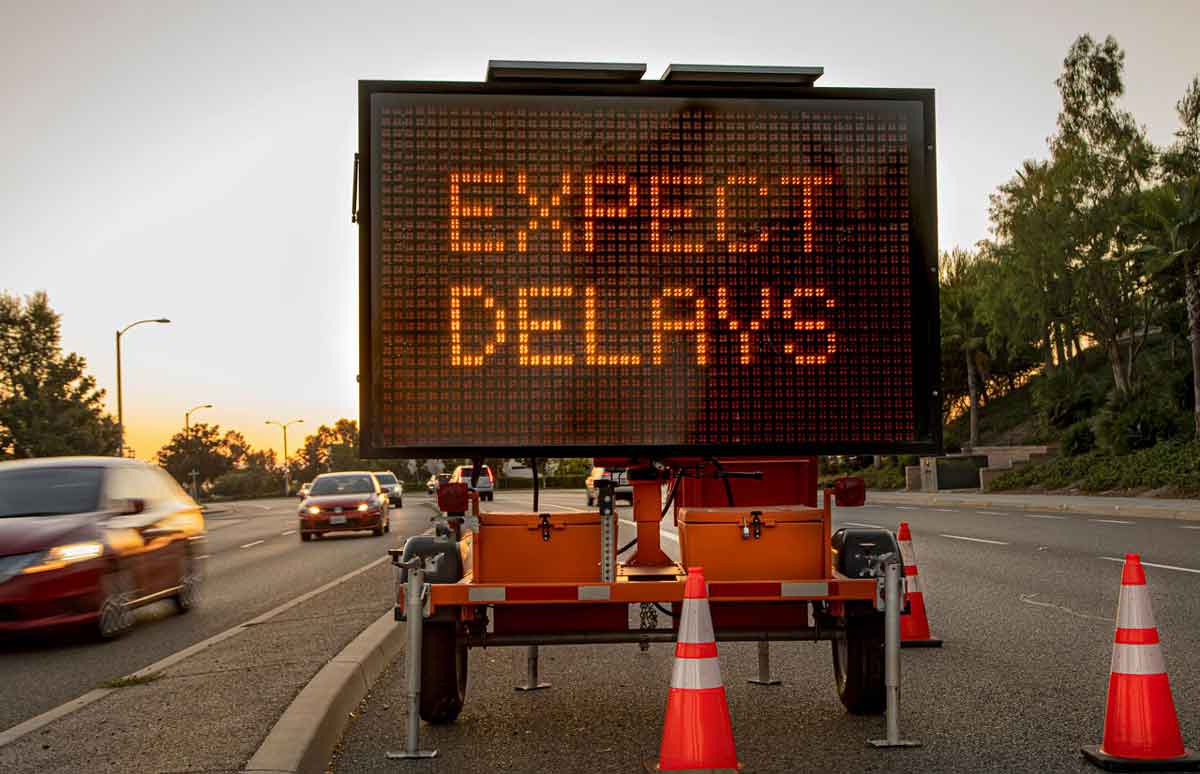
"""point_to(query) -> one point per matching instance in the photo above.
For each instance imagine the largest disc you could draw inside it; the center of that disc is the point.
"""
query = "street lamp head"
(207, 405)
(162, 320)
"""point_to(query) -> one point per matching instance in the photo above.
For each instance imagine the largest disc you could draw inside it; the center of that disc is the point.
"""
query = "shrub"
(1140, 421)
(1173, 464)
(254, 482)
(1066, 398)
(1078, 439)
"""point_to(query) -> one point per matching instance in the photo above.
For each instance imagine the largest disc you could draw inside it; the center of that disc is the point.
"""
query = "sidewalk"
(212, 710)
(1145, 507)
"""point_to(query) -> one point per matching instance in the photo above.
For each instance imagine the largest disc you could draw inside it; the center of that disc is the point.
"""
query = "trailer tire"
(443, 671)
(858, 665)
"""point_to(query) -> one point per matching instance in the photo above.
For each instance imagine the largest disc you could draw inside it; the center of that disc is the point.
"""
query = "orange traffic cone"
(914, 625)
(1141, 730)
(697, 734)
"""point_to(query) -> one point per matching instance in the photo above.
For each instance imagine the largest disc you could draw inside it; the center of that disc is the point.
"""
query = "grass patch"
(131, 680)
(1172, 465)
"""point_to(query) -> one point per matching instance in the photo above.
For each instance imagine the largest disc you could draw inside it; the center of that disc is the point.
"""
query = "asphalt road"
(255, 561)
(1024, 601)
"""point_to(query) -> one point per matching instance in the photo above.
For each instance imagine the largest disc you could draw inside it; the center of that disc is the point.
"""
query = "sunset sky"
(194, 161)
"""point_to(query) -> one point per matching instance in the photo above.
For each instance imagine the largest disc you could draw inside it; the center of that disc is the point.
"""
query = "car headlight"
(313, 509)
(61, 556)
(363, 507)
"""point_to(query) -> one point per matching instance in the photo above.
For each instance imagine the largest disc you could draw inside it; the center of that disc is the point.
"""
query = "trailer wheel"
(858, 665)
(443, 671)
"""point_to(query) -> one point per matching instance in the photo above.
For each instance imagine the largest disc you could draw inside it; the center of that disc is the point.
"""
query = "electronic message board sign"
(646, 269)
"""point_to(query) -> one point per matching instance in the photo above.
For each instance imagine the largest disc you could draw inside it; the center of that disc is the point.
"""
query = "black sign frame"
(926, 347)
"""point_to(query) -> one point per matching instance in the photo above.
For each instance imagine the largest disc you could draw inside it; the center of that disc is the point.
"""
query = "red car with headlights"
(344, 502)
(86, 540)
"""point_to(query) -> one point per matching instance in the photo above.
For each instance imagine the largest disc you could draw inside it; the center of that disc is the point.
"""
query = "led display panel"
(646, 269)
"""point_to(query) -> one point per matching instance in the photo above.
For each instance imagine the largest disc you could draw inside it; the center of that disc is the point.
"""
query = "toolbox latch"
(756, 524)
(545, 525)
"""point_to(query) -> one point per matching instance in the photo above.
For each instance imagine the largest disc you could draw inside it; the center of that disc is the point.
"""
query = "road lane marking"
(251, 545)
(11, 735)
(862, 524)
(1110, 521)
(945, 510)
(288, 532)
(905, 508)
(976, 540)
(1029, 600)
(1152, 564)
(992, 513)
(203, 556)
(1042, 516)
(668, 535)
(1189, 527)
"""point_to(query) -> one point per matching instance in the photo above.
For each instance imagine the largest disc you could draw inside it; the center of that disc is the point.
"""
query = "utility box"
(959, 471)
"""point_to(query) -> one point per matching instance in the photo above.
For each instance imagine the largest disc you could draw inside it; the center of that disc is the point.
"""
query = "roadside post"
(892, 593)
(414, 609)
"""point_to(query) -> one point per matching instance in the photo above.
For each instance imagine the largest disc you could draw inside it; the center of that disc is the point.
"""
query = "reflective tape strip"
(696, 624)
(1138, 660)
(695, 650)
(696, 673)
(913, 584)
(595, 592)
(908, 554)
(1133, 608)
(1136, 636)
(804, 589)
(486, 594)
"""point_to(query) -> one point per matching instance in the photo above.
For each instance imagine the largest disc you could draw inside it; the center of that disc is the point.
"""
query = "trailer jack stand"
(531, 673)
(764, 666)
(893, 593)
(414, 607)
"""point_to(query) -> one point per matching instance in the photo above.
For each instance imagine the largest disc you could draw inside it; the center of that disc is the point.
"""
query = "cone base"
(1190, 761)
(932, 642)
(651, 767)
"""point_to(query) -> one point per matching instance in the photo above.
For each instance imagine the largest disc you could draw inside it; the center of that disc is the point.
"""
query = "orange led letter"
(459, 210)
(658, 212)
(696, 324)
(815, 296)
(591, 356)
(735, 246)
(808, 186)
(544, 211)
(591, 210)
(525, 325)
(457, 294)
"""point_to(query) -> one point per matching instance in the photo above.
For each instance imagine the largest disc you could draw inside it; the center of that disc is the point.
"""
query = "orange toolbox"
(537, 547)
(755, 543)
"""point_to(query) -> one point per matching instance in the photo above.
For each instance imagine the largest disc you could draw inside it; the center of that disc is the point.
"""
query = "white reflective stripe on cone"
(696, 624)
(914, 584)
(1133, 608)
(1137, 659)
(696, 673)
(907, 554)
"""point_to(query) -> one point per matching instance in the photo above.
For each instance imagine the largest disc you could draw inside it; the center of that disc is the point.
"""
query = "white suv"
(485, 486)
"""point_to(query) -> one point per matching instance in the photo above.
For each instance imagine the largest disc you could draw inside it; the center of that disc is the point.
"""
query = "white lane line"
(1042, 516)
(251, 545)
(49, 716)
(1110, 521)
(203, 556)
(668, 535)
(905, 508)
(945, 510)
(862, 524)
(1189, 527)
(1152, 564)
(976, 540)
(288, 532)
(992, 513)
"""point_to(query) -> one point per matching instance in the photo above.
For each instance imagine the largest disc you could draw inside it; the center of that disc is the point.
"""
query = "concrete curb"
(303, 740)
(1000, 501)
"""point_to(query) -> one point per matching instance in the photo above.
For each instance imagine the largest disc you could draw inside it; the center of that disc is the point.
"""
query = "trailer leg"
(891, 656)
(764, 665)
(531, 672)
(414, 607)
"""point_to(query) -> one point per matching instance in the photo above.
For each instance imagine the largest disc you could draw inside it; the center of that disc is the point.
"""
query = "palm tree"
(961, 325)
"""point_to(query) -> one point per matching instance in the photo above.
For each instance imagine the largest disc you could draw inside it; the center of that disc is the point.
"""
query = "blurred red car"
(341, 502)
(87, 540)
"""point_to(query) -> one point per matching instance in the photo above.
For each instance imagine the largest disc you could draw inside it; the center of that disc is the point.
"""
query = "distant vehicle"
(391, 485)
(437, 478)
(86, 540)
(304, 488)
(622, 490)
(485, 486)
(344, 502)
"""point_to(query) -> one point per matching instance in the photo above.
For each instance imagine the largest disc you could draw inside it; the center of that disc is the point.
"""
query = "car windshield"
(386, 478)
(335, 485)
(49, 491)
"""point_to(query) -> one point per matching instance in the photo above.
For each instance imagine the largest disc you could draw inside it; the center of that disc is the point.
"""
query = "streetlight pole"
(187, 423)
(287, 473)
(120, 396)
